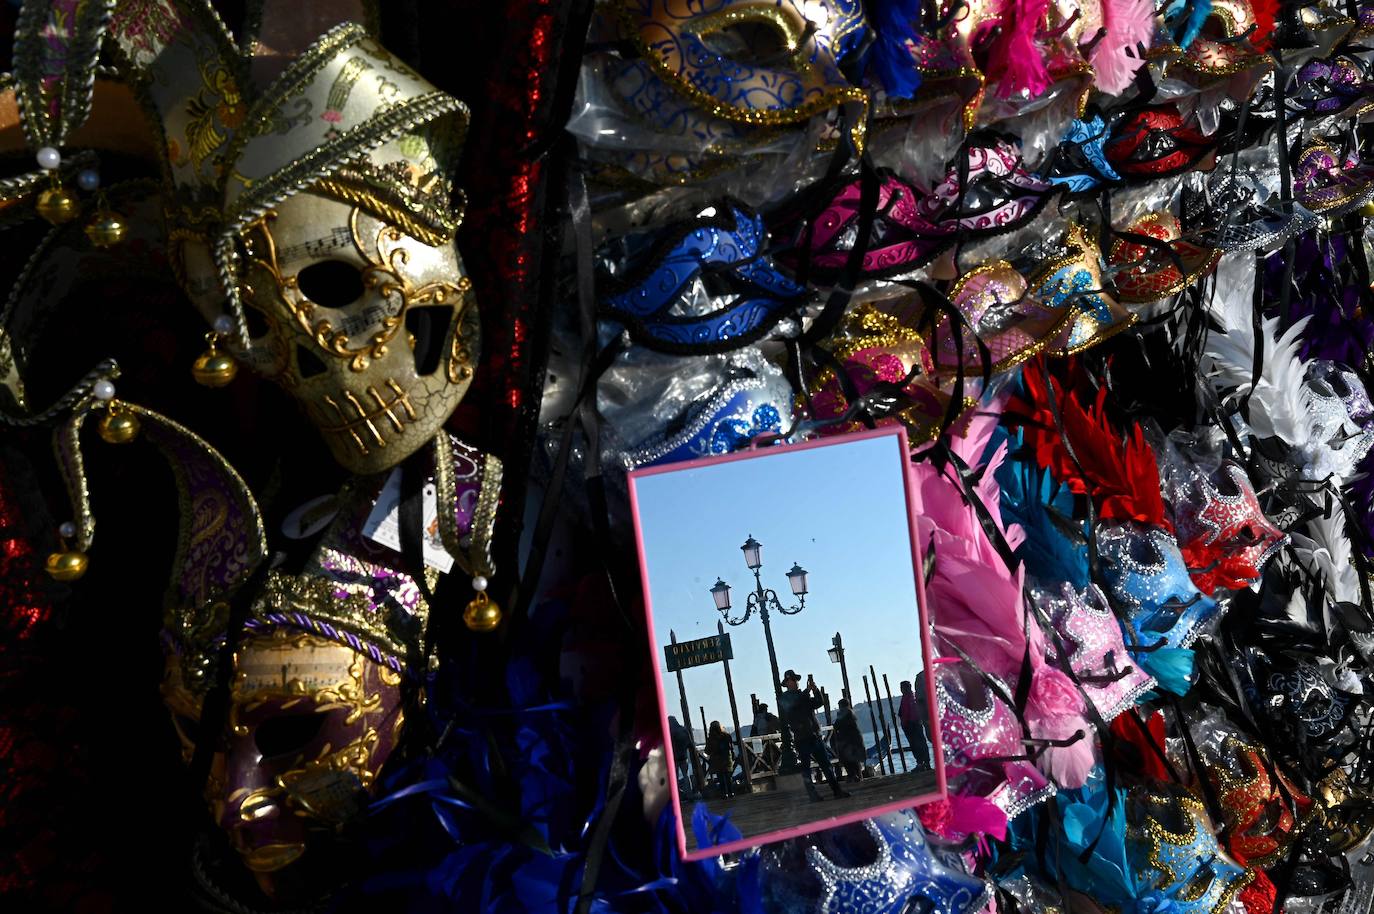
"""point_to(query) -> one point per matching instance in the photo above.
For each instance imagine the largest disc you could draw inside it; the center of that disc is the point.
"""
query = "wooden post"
(734, 715)
(873, 723)
(882, 718)
(704, 732)
(694, 763)
(825, 697)
(896, 722)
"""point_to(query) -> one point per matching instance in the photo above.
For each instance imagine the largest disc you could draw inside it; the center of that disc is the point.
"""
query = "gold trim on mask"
(385, 275)
(826, 100)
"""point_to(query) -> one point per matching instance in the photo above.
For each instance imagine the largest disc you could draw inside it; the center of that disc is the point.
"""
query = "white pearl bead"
(88, 179)
(49, 158)
(68, 529)
(104, 390)
(479, 583)
(223, 324)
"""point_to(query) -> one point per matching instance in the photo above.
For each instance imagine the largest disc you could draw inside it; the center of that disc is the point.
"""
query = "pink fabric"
(1014, 60)
(976, 601)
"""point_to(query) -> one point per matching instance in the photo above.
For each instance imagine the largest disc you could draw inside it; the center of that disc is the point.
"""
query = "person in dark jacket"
(913, 714)
(798, 711)
(720, 757)
(848, 742)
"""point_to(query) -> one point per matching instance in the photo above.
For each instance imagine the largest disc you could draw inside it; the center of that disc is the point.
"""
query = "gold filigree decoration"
(384, 275)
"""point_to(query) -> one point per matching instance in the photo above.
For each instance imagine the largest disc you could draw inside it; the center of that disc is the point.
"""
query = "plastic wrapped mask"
(758, 64)
(1079, 162)
(706, 285)
(987, 191)
(983, 742)
(1145, 273)
(1097, 655)
(901, 240)
(1266, 811)
(1240, 213)
(997, 307)
(665, 412)
(1328, 186)
(1336, 87)
(1070, 280)
(1176, 855)
(1147, 575)
(876, 347)
(905, 870)
(1156, 143)
(1222, 48)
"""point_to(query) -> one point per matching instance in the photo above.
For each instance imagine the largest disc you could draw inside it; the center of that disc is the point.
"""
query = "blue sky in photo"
(840, 511)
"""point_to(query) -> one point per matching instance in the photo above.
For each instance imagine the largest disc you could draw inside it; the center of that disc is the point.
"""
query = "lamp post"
(765, 600)
(836, 655)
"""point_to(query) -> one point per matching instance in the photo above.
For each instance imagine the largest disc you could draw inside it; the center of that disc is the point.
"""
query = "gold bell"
(1368, 210)
(482, 614)
(212, 367)
(106, 228)
(120, 426)
(58, 205)
(67, 565)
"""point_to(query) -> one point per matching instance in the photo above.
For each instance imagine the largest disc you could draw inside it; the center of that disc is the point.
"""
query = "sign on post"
(687, 654)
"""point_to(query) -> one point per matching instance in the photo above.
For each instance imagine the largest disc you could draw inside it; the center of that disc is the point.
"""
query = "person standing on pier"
(913, 714)
(720, 755)
(798, 710)
(848, 742)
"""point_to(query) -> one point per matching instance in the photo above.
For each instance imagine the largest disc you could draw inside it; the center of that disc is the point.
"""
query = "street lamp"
(764, 600)
(836, 654)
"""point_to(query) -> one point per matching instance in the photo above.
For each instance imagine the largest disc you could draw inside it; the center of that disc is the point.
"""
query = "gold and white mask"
(313, 224)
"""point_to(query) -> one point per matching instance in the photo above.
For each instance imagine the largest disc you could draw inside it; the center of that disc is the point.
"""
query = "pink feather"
(1128, 23)
(1054, 710)
(1014, 61)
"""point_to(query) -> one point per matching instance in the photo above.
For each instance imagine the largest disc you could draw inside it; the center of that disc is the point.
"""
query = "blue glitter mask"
(1177, 860)
(706, 286)
(1079, 162)
(1145, 572)
(664, 409)
(905, 869)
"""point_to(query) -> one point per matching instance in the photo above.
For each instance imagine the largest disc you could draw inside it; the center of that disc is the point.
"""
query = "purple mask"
(901, 240)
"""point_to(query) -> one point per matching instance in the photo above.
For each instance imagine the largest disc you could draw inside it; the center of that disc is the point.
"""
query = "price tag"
(383, 524)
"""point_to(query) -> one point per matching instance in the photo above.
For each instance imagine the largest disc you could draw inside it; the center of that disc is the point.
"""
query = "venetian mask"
(318, 213)
(311, 721)
(371, 330)
(749, 62)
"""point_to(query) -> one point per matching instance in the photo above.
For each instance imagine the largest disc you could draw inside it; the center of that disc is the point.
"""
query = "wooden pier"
(765, 811)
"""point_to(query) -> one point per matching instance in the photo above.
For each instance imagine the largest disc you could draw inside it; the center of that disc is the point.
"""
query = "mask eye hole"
(1197, 886)
(1267, 821)
(280, 736)
(760, 42)
(332, 283)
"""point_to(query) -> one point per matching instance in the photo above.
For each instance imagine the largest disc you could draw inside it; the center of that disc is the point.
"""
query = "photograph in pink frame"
(789, 638)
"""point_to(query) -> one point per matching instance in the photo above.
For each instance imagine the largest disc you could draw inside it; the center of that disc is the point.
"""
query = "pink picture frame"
(901, 453)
